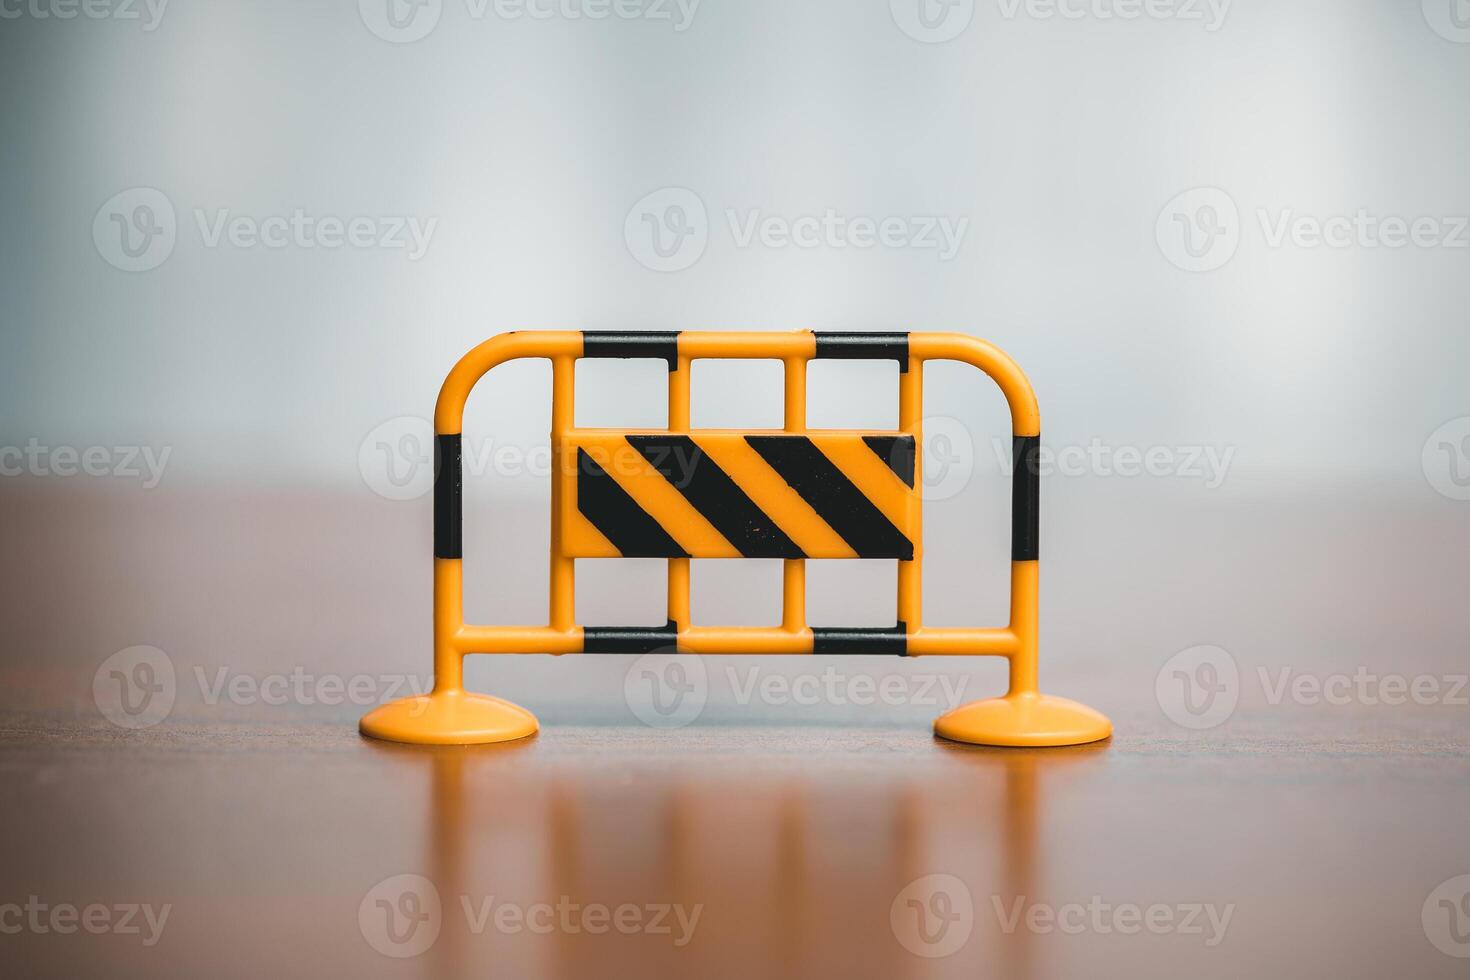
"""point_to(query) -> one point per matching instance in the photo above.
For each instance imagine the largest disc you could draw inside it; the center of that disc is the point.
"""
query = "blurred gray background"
(247, 241)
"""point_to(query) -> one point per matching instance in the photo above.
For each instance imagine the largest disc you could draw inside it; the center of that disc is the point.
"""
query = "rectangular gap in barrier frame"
(852, 592)
(506, 461)
(852, 394)
(738, 592)
(622, 592)
(737, 393)
(966, 453)
(621, 393)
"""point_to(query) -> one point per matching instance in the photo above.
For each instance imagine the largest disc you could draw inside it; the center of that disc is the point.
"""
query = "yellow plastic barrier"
(792, 494)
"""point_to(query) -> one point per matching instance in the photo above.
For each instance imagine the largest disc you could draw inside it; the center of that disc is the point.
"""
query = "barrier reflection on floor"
(671, 863)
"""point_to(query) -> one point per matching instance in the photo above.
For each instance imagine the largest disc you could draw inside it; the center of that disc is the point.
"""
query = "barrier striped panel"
(728, 494)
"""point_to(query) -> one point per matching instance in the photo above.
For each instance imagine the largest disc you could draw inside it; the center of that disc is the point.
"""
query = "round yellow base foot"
(449, 718)
(1023, 719)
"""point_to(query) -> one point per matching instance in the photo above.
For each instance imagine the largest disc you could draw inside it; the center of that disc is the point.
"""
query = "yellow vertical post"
(678, 603)
(910, 420)
(1024, 609)
(793, 570)
(561, 614)
(448, 618)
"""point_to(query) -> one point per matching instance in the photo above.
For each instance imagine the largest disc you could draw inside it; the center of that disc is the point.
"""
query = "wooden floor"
(1320, 840)
(1293, 840)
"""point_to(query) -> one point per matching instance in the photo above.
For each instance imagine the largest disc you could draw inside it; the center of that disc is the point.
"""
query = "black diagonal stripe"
(629, 527)
(699, 478)
(833, 496)
(897, 452)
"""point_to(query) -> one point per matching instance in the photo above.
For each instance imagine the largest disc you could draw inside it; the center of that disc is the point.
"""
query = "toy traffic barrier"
(682, 493)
